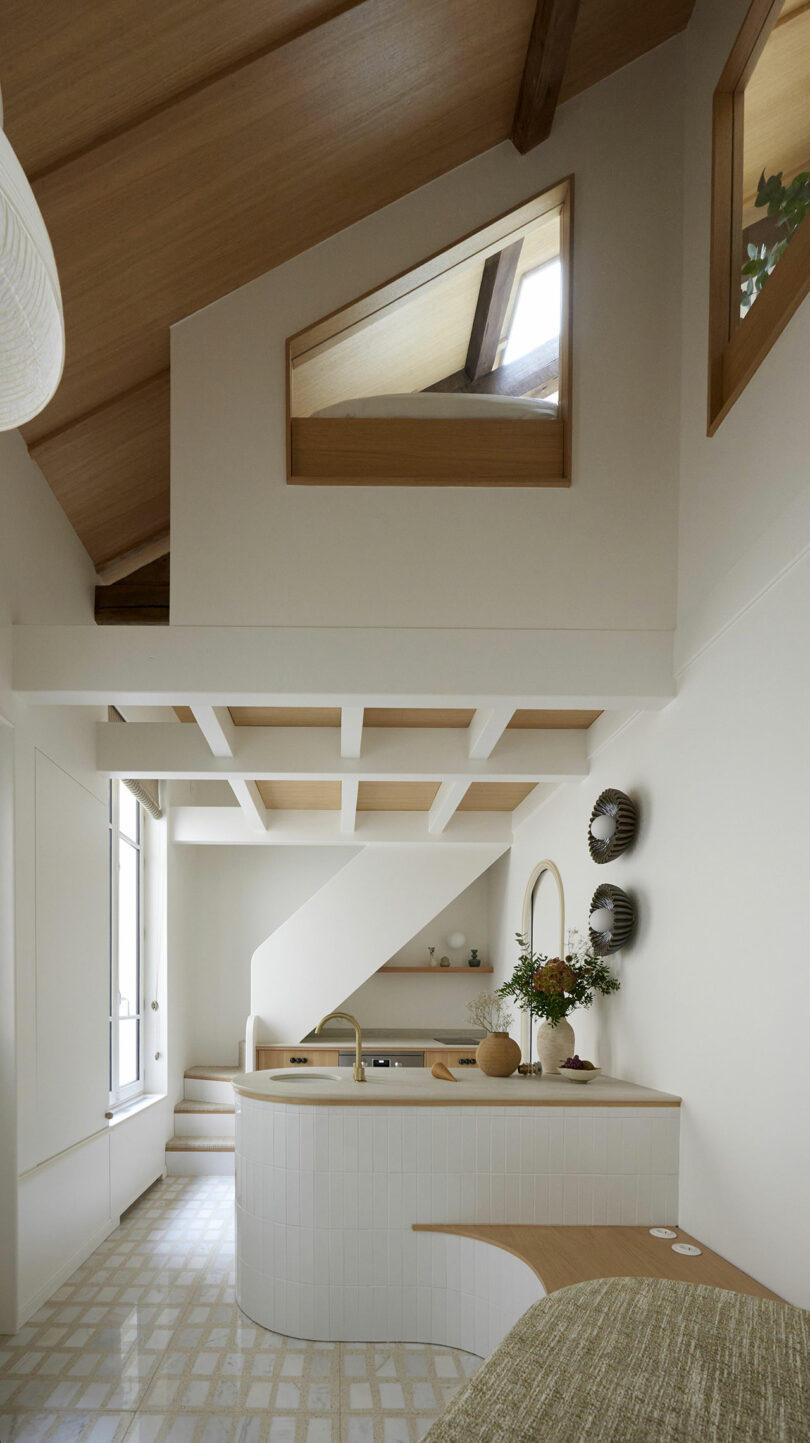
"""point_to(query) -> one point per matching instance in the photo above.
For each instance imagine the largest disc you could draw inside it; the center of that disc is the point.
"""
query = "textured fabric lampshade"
(32, 331)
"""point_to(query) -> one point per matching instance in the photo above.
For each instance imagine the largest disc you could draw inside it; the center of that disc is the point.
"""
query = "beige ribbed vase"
(554, 1044)
(497, 1055)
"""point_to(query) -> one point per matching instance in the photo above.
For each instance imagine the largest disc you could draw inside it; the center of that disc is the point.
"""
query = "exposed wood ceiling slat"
(518, 378)
(417, 717)
(285, 716)
(494, 796)
(301, 796)
(544, 71)
(553, 720)
(396, 796)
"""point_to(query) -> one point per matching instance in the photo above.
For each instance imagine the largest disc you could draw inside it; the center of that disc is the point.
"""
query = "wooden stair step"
(200, 1144)
(212, 1074)
(190, 1104)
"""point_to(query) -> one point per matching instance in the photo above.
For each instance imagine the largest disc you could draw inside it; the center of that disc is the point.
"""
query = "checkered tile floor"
(146, 1344)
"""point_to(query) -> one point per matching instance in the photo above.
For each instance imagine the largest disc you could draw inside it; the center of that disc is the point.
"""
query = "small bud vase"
(554, 1044)
(498, 1054)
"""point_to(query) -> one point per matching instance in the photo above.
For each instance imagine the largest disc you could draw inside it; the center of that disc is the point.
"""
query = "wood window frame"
(323, 451)
(737, 346)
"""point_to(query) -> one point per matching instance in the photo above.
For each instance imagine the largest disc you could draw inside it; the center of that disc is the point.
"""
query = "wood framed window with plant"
(760, 241)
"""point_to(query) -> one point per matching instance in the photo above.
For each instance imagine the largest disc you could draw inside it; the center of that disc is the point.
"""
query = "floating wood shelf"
(445, 970)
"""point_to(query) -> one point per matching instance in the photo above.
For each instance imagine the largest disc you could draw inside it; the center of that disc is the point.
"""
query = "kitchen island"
(332, 1175)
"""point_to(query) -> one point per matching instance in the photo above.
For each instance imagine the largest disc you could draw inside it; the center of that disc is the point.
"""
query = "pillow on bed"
(443, 405)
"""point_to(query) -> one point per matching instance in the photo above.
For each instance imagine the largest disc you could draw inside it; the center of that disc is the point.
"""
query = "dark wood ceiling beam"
(490, 310)
(519, 378)
(546, 61)
(141, 599)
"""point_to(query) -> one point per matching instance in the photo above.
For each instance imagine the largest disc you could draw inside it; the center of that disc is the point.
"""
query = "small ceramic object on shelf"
(497, 1054)
(440, 1070)
(444, 962)
(434, 961)
(474, 960)
(575, 1069)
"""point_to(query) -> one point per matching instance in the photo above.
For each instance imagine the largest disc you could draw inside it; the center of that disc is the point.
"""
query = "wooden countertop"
(561, 1256)
(416, 1087)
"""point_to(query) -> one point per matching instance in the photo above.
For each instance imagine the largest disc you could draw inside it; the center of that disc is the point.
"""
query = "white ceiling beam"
(332, 666)
(251, 806)
(348, 804)
(351, 731)
(486, 729)
(228, 826)
(181, 753)
(217, 728)
(445, 806)
(532, 804)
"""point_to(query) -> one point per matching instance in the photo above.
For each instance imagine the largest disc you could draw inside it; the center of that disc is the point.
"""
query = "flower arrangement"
(551, 987)
(487, 1010)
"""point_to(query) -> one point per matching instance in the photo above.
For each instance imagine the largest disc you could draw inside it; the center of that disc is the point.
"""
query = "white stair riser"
(200, 1089)
(204, 1124)
(199, 1164)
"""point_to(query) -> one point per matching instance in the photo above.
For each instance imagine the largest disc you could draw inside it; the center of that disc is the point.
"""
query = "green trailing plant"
(787, 205)
(551, 987)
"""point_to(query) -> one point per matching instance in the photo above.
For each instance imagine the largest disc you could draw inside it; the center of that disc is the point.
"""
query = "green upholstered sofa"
(641, 1360)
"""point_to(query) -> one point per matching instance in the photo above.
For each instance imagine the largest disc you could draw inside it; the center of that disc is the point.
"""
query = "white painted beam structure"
(445, 805)
(486, 729)
(313, 753)
(334, 666)
(348, 804)
(351, 731)
(217, 728)
(251, 806)
(228, 827)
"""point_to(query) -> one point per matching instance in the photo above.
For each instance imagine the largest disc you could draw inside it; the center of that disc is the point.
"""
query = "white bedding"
(443, 405)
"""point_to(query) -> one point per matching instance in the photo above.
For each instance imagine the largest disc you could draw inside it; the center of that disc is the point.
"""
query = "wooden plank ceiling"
(178, 150)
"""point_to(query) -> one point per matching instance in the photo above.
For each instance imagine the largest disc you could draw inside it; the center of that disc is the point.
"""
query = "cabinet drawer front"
(293, 1057)
(463, 1057)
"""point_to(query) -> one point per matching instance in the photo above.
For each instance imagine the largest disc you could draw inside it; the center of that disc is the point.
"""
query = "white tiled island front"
(332, 1174)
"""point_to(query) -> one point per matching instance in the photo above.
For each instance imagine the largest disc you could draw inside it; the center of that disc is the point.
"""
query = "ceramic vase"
(498, 1054)
(554, 1044)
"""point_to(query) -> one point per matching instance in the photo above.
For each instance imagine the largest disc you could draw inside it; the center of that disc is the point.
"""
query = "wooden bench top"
(561, 1256)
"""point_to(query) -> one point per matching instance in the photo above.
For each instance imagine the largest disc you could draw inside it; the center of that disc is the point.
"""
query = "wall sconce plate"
(615, 901)
(618, 807)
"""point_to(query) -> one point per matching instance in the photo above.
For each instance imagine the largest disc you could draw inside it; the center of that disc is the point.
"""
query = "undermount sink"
(303, 1077)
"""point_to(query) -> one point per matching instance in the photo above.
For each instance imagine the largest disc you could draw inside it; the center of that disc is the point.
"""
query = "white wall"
(432, 1000)
(255, 551)
(716, 984)
(64, 1179)
(223, 902)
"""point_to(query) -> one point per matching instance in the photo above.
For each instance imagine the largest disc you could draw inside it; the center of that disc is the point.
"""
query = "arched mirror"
(543, 923)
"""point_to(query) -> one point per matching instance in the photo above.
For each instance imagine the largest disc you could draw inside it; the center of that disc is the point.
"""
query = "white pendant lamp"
(32, 328)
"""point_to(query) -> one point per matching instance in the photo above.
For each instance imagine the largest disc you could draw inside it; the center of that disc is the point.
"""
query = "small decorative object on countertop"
(498, 1055)
(551, 987)
(613, 825)
(434, 961)
(474, 960)
(574, 1069)
(612, 919)
(442, 1072)
(444, 962)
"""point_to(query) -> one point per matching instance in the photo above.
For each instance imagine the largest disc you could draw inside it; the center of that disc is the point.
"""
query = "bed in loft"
(431, 439)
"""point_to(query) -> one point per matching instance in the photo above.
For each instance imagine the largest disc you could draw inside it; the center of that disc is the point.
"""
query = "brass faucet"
(358, 1071)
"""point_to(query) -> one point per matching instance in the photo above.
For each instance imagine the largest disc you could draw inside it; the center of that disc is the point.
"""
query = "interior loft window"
(126, 972)
(760, 264)
(472, 340)
(536, 316)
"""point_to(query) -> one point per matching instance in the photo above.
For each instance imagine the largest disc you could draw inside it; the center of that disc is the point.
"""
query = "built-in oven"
(383, 1059)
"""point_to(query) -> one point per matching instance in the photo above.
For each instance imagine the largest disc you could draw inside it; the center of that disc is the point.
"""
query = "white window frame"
(121, 1095)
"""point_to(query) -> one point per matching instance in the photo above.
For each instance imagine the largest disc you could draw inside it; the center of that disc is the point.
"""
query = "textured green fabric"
(640, 1360)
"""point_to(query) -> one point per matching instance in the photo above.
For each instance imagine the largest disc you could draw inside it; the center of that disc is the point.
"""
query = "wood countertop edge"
(454, 1101)
(710, 1269)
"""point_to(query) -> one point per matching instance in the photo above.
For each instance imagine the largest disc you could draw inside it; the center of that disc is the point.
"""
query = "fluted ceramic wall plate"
(623, 914)
(617, 807)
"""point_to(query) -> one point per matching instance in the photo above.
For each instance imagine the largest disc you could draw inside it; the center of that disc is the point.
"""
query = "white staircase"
(203, 1139)
(358, 919)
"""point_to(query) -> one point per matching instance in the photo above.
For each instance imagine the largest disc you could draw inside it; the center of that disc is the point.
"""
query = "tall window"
(126, 979)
